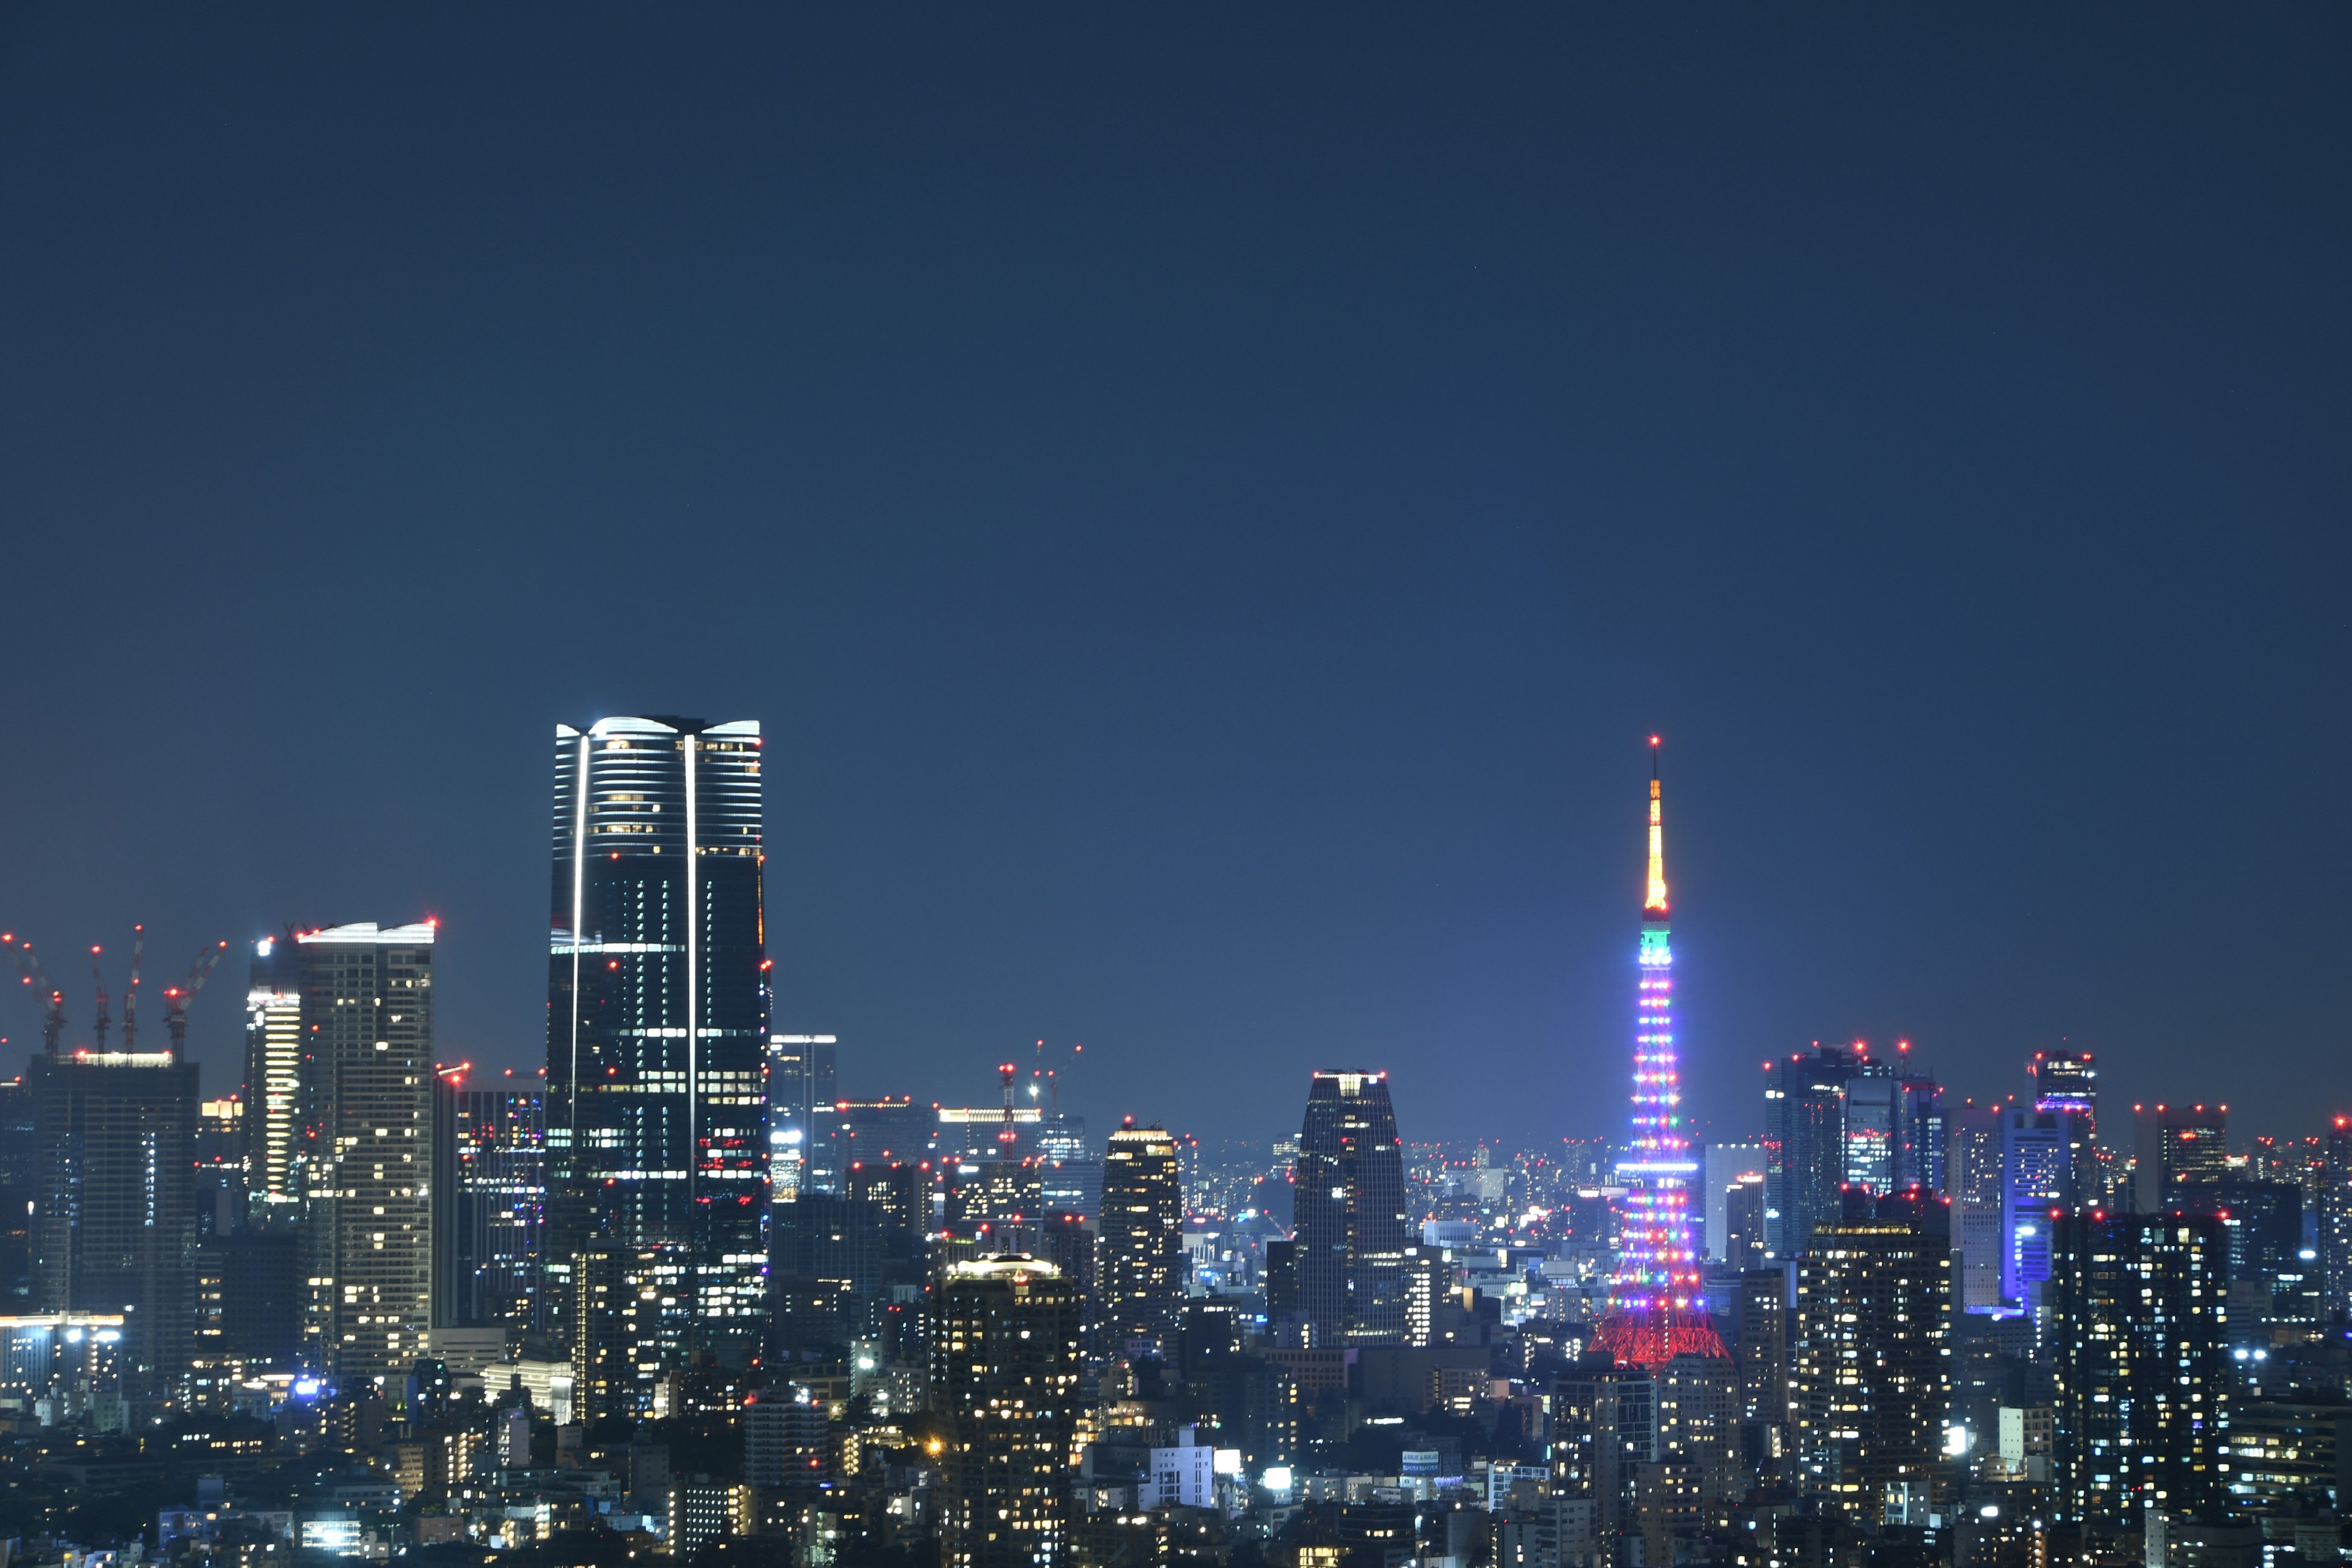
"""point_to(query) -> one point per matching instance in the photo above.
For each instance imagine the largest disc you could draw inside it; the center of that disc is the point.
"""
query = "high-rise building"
(1351, 1229)
(631, 1314)
(1805, 1144)
(2177, 1143)
(364, 1157)
(1726, 1165)
(2037, 1178)
(1656, 1309)
(827, 1270)
(2142, 1352)
(1924, 1134)
(1872, 1365)
(497, 1210)
(658, 1012)
(2335, 1216)
(1744, 1224)
(273, 1080)
(1873, 1127)
(1973, 1173)
(802, 1090)
(115, 1225)
(2065, 1085)
(1004, 1392)
(1140, 1269)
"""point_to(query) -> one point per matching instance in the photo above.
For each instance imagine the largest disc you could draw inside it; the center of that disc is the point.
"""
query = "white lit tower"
(1655, 1310)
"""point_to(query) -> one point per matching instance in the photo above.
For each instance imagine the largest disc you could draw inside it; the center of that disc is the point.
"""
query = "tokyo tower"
(1655, 1310)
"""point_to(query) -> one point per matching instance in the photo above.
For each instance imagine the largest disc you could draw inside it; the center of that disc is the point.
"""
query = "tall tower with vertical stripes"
(1655, 1310)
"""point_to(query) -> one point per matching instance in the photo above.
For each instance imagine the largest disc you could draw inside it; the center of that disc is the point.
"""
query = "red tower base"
(1651, 1340)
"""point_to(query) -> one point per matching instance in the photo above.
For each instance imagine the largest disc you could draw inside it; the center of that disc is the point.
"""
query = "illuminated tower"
(1656, 1310)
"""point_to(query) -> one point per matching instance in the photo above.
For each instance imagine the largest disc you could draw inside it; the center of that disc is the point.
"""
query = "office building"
(1873, 1134)
(2142, 1352)
(1004, 1394)
(1657, 1312)
(829, 1250)
(1979, 1224)
(1726, 1165)
(2065, 1085)
(2177, 1143)
(497, 1208)
(1139, 1271)
(1351, 1229)
(658, 1012)
(1872, 1369)
(1743, 1209)
(365, 1158)
(802, 1091)
(115, 1230)
(2037, 1177)
(1923, 1135)
(876, 1131)
(1805, 1143)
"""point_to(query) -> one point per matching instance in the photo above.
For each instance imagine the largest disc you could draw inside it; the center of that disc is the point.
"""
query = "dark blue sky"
(1208, 511)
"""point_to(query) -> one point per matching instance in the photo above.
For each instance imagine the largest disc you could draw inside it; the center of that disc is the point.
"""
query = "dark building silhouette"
(115, 1227)
(491, 1169)
(1351, 1228)
(658, 1012)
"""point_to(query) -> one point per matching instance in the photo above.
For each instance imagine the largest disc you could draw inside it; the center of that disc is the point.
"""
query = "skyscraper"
(657, 1011)
(1805, 1144)
(2037, 1178)
(2066, 1085)
(2177, 1143)
(1973, 1180)
(801, 1070)
(115, 1224)
(1140, 1269)
(1351, 1229)
(1656, 1311)
(1004, 1392)
(2335, 1216)
(2141, 1344)
(497, 1208)
(273, 1080)
(1872, 1374)
(365, 1156)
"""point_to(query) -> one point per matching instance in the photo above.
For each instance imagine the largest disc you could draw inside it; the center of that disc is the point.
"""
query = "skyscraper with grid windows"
(657, 1016)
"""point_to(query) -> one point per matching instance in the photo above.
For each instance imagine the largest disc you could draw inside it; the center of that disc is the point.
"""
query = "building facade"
(1351, 1229)
(1004, 1393)
(114, 1224)
(365, 1156)
(657, 1012)
(1139, 1270)
(1872, 1365)
(2142, 1352)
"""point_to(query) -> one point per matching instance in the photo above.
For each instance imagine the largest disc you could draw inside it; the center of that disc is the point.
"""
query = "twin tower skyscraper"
(656, 1024)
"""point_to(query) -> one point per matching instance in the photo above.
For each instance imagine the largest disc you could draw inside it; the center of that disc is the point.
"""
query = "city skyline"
(1202, 574)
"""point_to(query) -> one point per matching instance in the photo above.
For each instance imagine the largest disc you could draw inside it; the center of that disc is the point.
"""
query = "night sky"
(1209, 512)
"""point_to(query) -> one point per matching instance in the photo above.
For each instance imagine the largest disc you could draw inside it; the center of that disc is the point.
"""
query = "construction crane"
(53, 1001)
(105, 1014)
(131, 996)
(1009, 1134)
(177, 997)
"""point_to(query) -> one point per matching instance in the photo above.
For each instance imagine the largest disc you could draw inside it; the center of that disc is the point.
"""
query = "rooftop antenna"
(1008, 1134)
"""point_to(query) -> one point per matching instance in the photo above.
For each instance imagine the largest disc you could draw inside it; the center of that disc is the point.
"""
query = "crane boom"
(177, 997)
(105, 1019)
(131, 996)
(53, 1001)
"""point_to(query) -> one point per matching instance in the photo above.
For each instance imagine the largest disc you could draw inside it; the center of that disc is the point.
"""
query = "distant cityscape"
(682, 1292)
